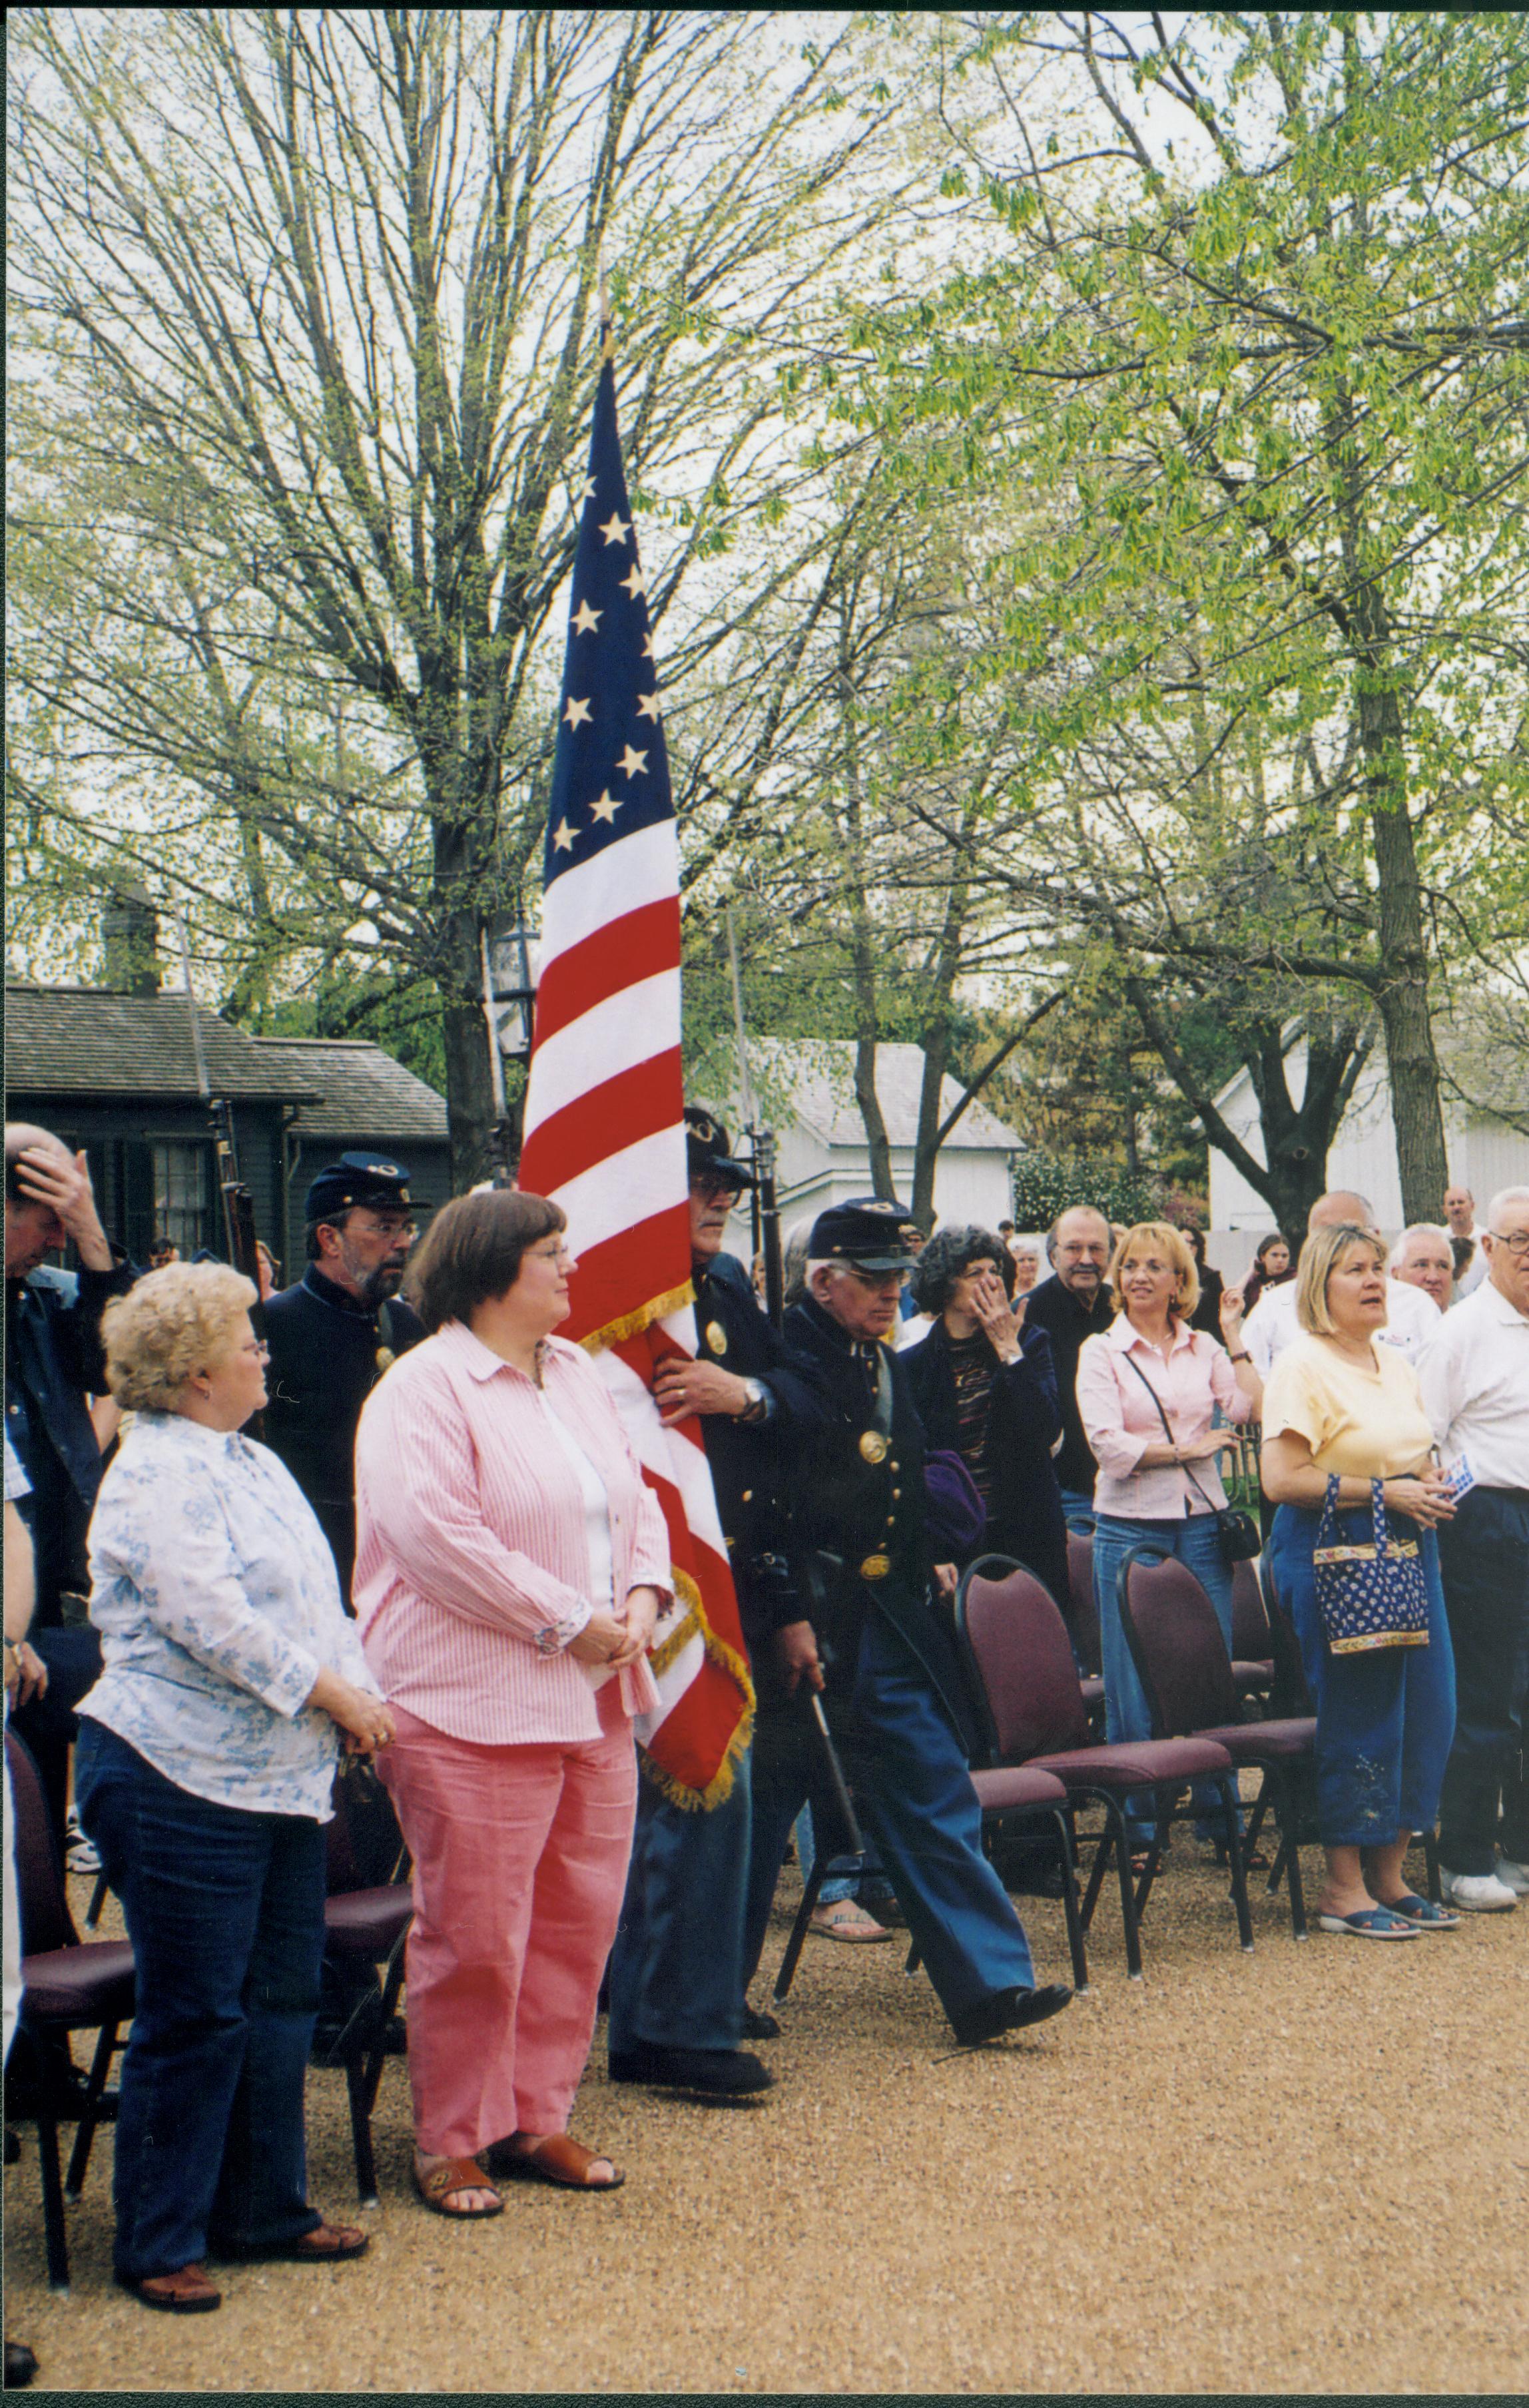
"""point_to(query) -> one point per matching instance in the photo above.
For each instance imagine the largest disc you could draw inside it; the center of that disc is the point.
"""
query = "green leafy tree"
(1260, 325)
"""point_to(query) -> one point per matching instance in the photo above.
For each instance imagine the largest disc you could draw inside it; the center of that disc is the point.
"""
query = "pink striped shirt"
(472, 1558)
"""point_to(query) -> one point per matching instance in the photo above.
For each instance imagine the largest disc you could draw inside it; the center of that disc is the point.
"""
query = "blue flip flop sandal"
(1370, 1923)
(1422, 1914)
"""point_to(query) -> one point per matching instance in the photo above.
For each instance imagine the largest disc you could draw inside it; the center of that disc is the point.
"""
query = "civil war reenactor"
(676, 1970)
(883, 1658)
(334, 1334)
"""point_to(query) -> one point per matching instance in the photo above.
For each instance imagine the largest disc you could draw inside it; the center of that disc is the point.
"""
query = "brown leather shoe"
(186, 2292)
(328, 2243)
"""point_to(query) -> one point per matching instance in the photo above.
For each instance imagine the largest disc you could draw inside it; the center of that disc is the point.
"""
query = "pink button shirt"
(1120, 1421)
(472, 1558)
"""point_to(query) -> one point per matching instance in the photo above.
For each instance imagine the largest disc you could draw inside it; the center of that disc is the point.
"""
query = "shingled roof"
(364, 1093)
(74, 1041)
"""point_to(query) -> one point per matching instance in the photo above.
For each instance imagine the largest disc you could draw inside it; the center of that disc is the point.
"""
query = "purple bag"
(954, 1514)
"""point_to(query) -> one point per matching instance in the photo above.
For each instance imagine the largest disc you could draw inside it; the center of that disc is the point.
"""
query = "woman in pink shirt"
(511, 1566)
(1155, 1489)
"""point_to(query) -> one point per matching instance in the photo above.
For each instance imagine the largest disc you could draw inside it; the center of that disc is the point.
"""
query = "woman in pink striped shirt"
(511, 1566)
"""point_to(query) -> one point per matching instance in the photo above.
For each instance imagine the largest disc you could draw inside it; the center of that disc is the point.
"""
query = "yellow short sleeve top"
(1364, 1424)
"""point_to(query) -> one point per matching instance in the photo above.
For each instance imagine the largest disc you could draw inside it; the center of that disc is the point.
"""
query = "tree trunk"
(1402, 1000)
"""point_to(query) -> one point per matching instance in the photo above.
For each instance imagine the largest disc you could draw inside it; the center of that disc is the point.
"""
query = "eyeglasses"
(1516, 1240)
(558, 1254)
(390, 1230)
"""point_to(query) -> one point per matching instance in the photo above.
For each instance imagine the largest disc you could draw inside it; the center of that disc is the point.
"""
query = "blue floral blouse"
(216, 1597)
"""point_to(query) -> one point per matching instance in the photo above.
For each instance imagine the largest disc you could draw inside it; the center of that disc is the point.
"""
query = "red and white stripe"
(605, 1138)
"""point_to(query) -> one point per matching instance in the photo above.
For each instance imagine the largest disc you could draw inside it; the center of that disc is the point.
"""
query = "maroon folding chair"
(1186, 1673)
(67, 1985)
(364, 1929)
(1019, 1800)
(1019, 1648)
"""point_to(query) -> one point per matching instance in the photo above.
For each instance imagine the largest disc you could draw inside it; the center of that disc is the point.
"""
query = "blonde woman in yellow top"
(1337, 1405)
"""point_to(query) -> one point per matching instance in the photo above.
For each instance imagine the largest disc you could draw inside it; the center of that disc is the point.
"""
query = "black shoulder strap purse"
(1239, 1533)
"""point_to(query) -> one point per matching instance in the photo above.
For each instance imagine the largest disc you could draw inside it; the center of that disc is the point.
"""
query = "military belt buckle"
(875, 1567)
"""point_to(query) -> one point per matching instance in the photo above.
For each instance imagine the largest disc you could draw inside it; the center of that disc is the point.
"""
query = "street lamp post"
(509, 994)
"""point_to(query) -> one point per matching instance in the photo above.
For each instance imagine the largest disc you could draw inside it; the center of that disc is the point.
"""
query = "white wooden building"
(806, 1091)
(1485, 1149)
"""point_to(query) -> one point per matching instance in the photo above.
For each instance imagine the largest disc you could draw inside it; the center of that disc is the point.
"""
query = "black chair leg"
(798, 1930)
(1069, 1906)
(361, 2129)
(1430, 1852)
(54, 2229)
(1256, 1819)
(1228, 1788)
(1097, 1872)
(80, 2155)
(1118, 1838)
(98, 1899)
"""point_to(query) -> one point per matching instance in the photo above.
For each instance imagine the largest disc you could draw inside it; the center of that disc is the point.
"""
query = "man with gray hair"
(1475, 1380)
(1422, 1257)
(1411, 1317)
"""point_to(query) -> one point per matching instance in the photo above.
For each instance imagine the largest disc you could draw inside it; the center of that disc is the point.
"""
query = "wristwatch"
(758, 1404)
(1243, 1357)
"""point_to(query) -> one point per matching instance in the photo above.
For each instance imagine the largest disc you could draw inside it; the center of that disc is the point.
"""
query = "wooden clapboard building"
(116, 1071)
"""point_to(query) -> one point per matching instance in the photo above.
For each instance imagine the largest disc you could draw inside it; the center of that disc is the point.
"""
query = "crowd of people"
(439, 1554)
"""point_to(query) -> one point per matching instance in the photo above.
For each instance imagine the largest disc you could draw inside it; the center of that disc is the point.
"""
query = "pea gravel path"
(1150, 2195)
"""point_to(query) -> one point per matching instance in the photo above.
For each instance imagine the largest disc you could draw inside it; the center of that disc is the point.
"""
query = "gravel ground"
(1150, 2194)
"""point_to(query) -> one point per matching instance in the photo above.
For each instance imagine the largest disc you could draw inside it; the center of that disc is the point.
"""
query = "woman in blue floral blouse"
(203, 1774)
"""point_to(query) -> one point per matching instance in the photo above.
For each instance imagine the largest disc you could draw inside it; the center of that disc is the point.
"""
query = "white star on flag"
(616, 529)
(588, 493)
(563, 837)
(635, 582)
(608, 807)
(576, 712)
(585, 621)
(647, 705)
(633, 764)
(647, 651)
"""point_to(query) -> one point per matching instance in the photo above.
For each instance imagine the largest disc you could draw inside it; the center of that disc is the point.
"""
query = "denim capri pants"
(1385, 1716)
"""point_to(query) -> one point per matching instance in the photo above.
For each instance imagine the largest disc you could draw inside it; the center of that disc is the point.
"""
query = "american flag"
(603, 1127)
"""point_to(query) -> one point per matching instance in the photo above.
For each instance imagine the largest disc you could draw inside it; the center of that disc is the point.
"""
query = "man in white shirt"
(1475, 1378)
(1460, 1212)
(1411, 1317)
(1424, 1257)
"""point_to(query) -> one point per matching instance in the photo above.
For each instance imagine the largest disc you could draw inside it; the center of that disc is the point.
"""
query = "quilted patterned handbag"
(1369, 1593)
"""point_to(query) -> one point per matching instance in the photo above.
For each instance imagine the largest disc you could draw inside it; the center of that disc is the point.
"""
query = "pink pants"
(519, 1864)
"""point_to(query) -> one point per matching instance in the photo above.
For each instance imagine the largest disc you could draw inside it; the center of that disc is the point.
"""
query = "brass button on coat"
(873, 1446)
(716, 1338)
(875, 1567)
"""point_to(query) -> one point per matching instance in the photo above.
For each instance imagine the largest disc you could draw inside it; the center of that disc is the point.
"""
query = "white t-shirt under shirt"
(1411, 1320)
(1360, 1424)
(596, 1531)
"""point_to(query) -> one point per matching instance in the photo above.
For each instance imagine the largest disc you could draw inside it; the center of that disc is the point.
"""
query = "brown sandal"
(444, 2182)
(328, 2243)
(556, 2159)
(186, 2292)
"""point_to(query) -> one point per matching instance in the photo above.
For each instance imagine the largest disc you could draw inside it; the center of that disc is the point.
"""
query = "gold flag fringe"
(728, 1660)
(632, 1324)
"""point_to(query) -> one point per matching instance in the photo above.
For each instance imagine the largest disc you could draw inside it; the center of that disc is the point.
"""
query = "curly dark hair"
(950, 1253)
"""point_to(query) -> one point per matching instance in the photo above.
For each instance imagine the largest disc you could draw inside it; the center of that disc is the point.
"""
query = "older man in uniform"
(675, 1982)
(892, 1685)
(333, 1336)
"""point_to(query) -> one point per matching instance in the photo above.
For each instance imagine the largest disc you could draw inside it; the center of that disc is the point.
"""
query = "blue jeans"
(849, 1876)
(1193, 1540)
(1078, 1512)
(676, 1975)
(914, 1794)
(1384, 1717)
(225, 1910)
